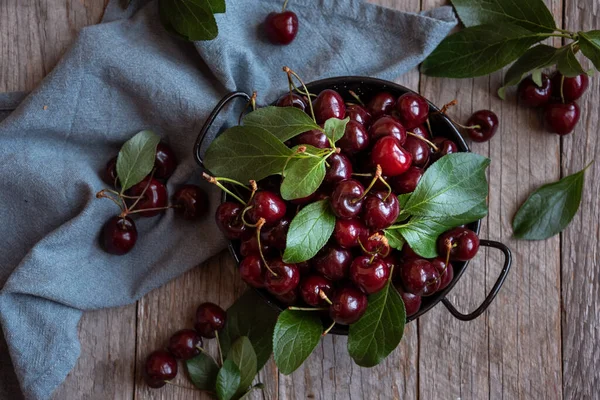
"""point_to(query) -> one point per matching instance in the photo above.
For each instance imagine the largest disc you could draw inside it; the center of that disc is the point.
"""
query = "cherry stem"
(446, 106)
(120, 195)
(356, 97)
(562, 96)
(366, 174)
(232, 181)
(259, 226)
(429, 126)
(141, 194)
(448, 248)
(251, 102)
(284, 5)
(429, 142)
(147, 209)
(254, 188)
(102, 195)
(375, 179)
(323, 296)
(219, 347)
(214, 181)
(203, 350)
(308, 308)
(328, 329)
(289, 71)
(387, 186)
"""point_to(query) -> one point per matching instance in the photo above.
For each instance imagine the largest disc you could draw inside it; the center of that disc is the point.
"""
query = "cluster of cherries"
(556, 95)
(384, 152)
(161, 365)
(147, 198)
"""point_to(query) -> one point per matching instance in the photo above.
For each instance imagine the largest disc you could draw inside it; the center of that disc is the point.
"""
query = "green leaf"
(310, 229)
(296, 335)
(258, 386)
(549, 209)
(302, 177)
(243, 355)
(192, 19)
(136, 158)
(282, 122)
(536, 77)
(216, 6)
(335, 128)
(394, 238)
(246, 152)
(537, 57)
(451, 186)
(589, 43)
(228, 380)
(567, 63)
(250, 316)
(479, 50)
(203, 371)
(530, 14)
(379, 331)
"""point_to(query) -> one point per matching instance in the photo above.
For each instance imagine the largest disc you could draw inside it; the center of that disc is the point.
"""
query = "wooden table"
(540, 339)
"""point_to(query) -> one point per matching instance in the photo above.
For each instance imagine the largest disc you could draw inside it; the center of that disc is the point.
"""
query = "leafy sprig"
(191, 19)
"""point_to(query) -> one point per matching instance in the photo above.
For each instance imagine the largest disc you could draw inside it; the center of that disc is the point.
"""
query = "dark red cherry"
(249, 246)
(346, 201)
(252, 271)
(355, 138)
(154, 196)
(561, 118)
(109, 175)
(380, 104)
(267, 205)
(380, 210)
(291, 100)
(190, 201)
(339, 169)
(421, 131)
(160, 366)
(462, 243)
(281, 28)
(412, 302)
(533, 95)
(347, 232)
(332, 262)
(229, 220)
(165, 161)
(184, 344)
(389, 154)
(487, 124)
(358, 114)
(419, 151)
(304, 268)
(271, 183)
(285, 279)
(288, 298)
(311, 288)
(407, 182)
(314, 137)
(119, 235)
(349, 304)
(412, 109)
(572, 88)
(419, 277)
(446, 271)
(275, 236)
(444, 146)
(210, 318)
(368, 275)
(408, 253)
(387, 126)
(328, 104)
(376, 244)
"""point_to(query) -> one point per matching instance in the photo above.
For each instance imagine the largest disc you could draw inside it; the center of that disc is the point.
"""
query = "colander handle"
(209, 121)
(490, 297)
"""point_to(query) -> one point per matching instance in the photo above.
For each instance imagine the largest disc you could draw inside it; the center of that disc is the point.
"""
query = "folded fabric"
(122, 76)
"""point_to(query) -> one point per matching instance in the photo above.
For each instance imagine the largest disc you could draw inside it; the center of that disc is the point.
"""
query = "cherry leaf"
(282, 122)
(136, 158)
(296, 335)
(589, 42)
(190, 19)
(302, 177)
(228, 380)
(243, 355)
(335, 128)
(203, 371)
(567, 62)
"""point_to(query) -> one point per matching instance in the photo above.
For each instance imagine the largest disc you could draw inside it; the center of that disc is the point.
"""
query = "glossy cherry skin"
(419, 151)
(314, 137)
(462, 243)
(109, 174)
(532, 95)
(408, 253)
(155, 196)
(412, 302)
(359, 114)
(289, 298)
(275, 236)
(165, 161)
(407, 182)
(355, 138)
(119, 235)
(339, 169)
(446, 271)
(252, 271)
(348, 232)
(190, 201)
(332, 262)
(229, 220)
(291, 100)
(387, 126)
(345, 199)
(160, 366)
(287, 278)
(444, 146)
(349, 304)
(419, 277)
(250, 246)
(572, 88)
(311, 288)
(304, 268)
(369, 276)
(380, 104)
(421, 131)
(412, 109)
(184, 344)
(267, 205)
(210, 318)
(561, 118)
(376, 244)
(281, 28)
(488, 125)
(389, 154)
(380, 210)
(329, 104)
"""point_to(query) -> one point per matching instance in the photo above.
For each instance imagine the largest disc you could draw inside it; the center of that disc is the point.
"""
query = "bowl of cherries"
(332, 215)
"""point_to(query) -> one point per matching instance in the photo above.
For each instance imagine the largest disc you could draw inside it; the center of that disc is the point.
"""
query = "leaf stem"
(141, 194)
(284, 5)
(219, 347)
(569, 36)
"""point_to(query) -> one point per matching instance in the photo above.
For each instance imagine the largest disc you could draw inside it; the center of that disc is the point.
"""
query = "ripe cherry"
(359, 114)
(285, 279)
(421, 131)
(408, 253)
(369, 274)
(275, 236)
(380, 104)
(446, 271)
(413, 110)
(349, 304)
(332, 262)
(376, 244)
(267, 205)
(419, 277)
(109, 175)
(462, 243)
(229, 220)
(165, 161)
(249, 246)
(387, 126)
(119, 235)
(328, 104)
(314, 289)
(487, 125)
(288, 298)
(346, 201)
(355, 138)
(347, 232)
(444, 146)
(190, 201)
(314, 137)
(291, 100)
(281, 28)
(419, 151)
(184, 344)
(533, 95)
(412, 302)
(252, 271)
(389, 154)
(210, 318)
(160, 367)
(155, 196)
(339, 169)
(561, 118)
(572, 88)
(407, 182)
(380, 210)
(304, 268)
